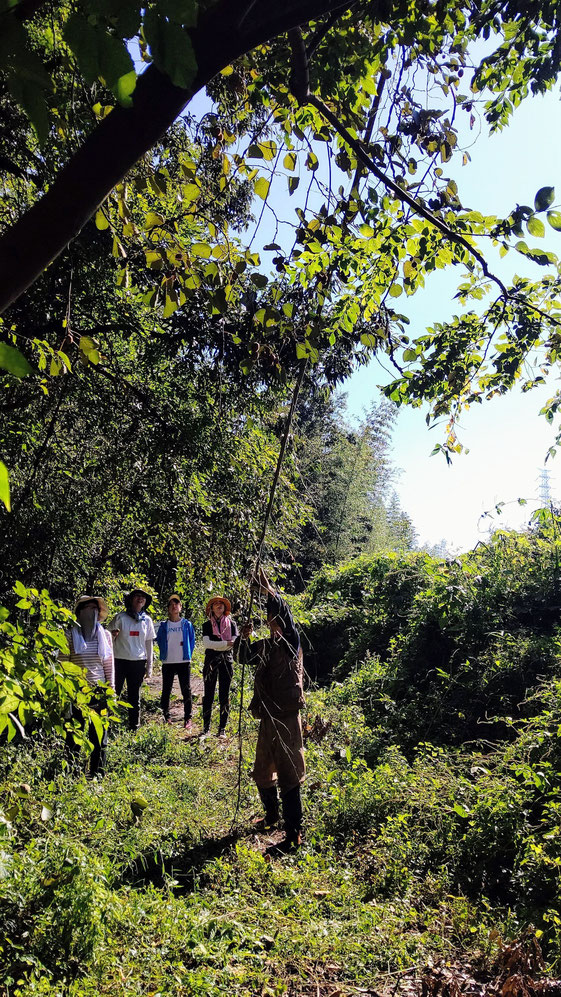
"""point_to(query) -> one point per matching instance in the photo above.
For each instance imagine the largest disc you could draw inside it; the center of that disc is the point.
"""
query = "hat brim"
(219, 598)
(102, 608)
(146, 595)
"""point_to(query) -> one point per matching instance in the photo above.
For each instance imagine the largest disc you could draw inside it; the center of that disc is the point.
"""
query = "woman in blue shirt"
(175, 638)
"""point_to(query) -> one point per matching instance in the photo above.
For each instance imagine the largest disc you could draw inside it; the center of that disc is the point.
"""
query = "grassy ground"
(148, 881)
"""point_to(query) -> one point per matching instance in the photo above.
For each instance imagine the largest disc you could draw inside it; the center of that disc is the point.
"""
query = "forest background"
(149, 357)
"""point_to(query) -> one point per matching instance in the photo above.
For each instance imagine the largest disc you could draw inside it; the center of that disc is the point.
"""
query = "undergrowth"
(151, 882)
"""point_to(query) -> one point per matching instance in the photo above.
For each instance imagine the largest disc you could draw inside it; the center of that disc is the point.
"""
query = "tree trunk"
(227, 30)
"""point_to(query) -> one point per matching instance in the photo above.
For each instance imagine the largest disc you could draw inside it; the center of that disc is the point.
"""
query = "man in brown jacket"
(277, 699)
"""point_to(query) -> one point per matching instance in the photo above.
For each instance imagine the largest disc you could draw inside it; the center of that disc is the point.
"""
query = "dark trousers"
(99, 751)
(291, 808)
(183, 671)
(131, 672)
(221, 672)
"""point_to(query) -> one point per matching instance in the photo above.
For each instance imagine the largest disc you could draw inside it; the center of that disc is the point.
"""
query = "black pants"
(291, 808)
(183, 671)
(222, 672)
(131, 672)
(99, 751)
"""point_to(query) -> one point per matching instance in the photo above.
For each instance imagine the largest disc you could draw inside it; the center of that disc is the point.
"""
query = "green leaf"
(170, 305)
(30, 96)
(171, 49)
(86, 344)
(153, 219)
(122, 15)
(461, 811)
(259, 279)
(101, 221)
(535, 226)
(544, 198)
(12, 360)
(293, 184)
(5, 487)
(554, 219)
(395, 290)
(191, 191)
(289, 161)
(101, 55)
(262, 187)
(26, 76)
(201, 249)
(368, 339)
(312, 161)
(268, 150)
(124, 88)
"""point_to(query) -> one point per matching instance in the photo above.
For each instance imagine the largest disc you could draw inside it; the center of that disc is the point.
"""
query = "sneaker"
(205, 735)
(188, 725)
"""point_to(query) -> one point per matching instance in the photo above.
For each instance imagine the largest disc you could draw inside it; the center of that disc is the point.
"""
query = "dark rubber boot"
(292, 813)
(270, 801)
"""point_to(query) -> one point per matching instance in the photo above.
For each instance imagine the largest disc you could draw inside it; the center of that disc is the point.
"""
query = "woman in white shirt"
(133, 640)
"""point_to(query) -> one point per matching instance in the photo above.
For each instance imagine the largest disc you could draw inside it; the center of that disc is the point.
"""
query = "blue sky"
(507, 438)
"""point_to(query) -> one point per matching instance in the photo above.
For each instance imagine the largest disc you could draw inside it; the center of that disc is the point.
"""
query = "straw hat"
(219, 598)
(101, 605)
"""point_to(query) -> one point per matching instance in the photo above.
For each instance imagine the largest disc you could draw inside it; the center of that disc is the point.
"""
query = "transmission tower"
(545, 487)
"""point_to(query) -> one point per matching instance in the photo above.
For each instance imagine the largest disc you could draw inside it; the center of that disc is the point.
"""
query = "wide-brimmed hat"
(129, 595)
(222, 599)
(101, 605)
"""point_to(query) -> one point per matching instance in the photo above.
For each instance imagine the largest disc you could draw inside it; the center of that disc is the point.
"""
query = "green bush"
(456, 643)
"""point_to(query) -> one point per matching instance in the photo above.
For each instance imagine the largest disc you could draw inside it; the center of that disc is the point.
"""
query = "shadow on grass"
(185, 867)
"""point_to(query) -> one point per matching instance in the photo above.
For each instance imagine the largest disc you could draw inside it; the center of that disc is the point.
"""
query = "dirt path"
(176, 704)
(228, 751)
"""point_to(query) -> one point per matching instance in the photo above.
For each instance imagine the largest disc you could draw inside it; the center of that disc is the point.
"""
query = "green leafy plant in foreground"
(37, 687)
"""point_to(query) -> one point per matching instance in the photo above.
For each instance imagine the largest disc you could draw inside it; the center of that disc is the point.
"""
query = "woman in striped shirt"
(90, 646)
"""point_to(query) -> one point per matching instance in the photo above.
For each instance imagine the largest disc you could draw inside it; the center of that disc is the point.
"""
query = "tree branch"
(42, 450)
(402, 194)
(126, 134)
(320, 34)
(299, 70)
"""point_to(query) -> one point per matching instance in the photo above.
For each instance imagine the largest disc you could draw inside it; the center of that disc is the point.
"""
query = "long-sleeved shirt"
(215, 648)
(95, 656)
(278, 686)
(176, 640)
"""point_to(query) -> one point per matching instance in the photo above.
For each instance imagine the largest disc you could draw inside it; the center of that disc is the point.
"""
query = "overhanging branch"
(126, 134)
(403, 195)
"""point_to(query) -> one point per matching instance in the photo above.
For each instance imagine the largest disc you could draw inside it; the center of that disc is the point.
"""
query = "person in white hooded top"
(90, 646)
